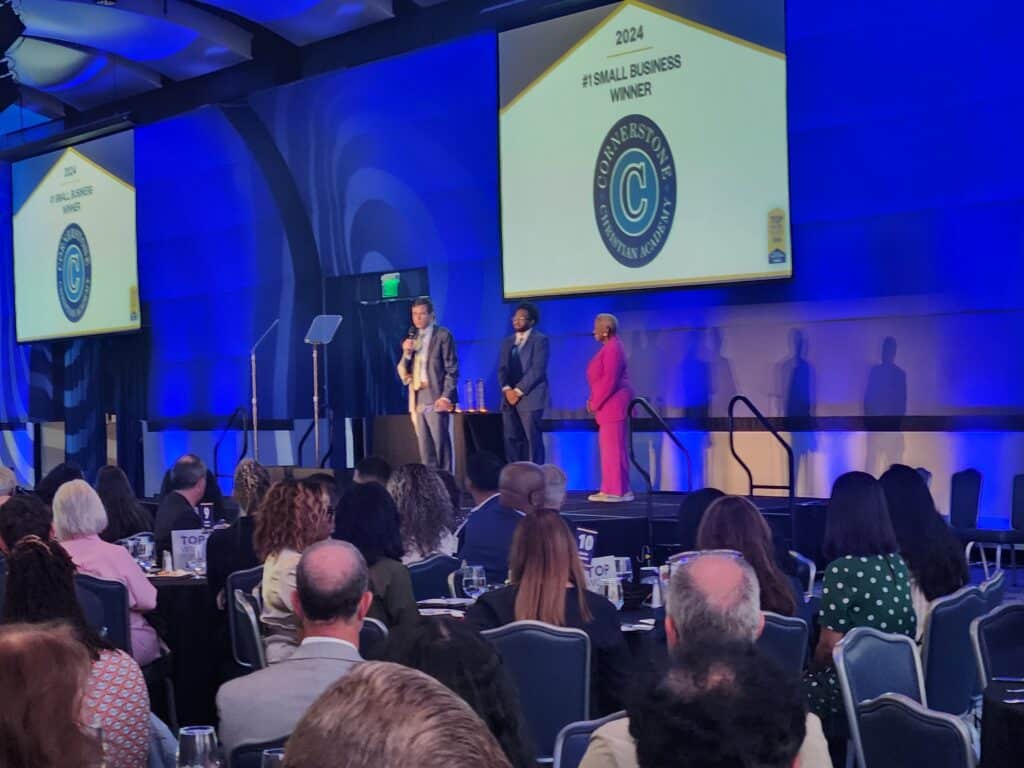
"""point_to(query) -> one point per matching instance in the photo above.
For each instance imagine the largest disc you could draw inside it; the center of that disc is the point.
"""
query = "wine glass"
(611, 588)
(197, 747)
(474, 580)
(624, 568)
(272, 758)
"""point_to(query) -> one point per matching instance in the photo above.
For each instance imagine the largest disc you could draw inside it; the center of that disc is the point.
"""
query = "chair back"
(964, 496)
(1017, 504)
(572, 741)
(373, 640)
(246, 643)
(998, 641)
(896, 730)
(551, 668)
(950, 674)
(113, 601)
(993, 590)
(784, 640)
(870, 663)
(430, 576)
(244, 581)
(251, 755)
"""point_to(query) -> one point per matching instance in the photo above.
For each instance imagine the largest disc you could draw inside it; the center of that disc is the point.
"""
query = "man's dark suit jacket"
(228, 550)
(533, 357)
(486, 538)
(442, 367)
(173, 514)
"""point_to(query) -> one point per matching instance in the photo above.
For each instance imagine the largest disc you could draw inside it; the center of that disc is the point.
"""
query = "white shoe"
(599, 496)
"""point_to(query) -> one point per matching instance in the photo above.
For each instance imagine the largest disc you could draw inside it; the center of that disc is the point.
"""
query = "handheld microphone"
(413, 333)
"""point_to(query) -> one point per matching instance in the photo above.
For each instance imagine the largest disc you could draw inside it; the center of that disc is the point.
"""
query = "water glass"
(624, 568)
(197, 747)
(144, 553)
(272, 758)
(474, 580)
(611, 588)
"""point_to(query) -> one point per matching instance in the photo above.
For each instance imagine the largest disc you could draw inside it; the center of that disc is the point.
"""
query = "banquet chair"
(246, 581)
(784, 640)
(998, 642)
(249, 649)
(870, 663)
(897, 731)
(963, 516)
(950, 675)
(551, 669)
(994, 589)
(373, 639)
(572, 741)
(251, 755)
(430, 576)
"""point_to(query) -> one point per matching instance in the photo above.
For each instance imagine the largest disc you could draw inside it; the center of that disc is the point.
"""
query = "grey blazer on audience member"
(267, 704)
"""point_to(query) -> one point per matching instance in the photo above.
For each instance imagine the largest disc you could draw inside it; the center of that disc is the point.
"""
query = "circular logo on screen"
(634, 190)
(74, 272)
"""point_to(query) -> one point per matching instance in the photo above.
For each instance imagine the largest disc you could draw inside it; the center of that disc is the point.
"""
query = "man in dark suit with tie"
(429, 366)
(523, 377)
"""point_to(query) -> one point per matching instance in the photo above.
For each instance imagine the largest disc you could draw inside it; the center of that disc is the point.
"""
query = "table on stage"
(1002, 725)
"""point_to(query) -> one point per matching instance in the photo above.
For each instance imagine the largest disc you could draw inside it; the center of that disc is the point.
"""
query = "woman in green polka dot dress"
(866, 584)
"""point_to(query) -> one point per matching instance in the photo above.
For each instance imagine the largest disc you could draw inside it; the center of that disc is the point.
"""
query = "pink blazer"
(610, 391)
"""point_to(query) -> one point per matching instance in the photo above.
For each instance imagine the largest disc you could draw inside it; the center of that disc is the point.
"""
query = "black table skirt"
(1002, 727)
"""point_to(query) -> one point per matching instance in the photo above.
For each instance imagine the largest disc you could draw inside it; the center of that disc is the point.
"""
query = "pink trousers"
(611, 439)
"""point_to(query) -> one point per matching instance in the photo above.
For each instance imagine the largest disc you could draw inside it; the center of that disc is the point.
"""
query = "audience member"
(186, 484)
(125, 516)
(8, 484)
(522, 486)
(368, 518)
(455, 495)
(425, 510)
(733, 522)
(384, 715)
(933, 554)
(231, 549)
(713, 598)
(42, 723)
(547, 584)
(450, 651)
(719, 706)
(24, 515)
(691, 512)
(290, 519)
(555, 484)
(78, 517)
(372, 469)
(64, 472)
(331, 601)
(486, 536)
(866, 584)
(40, 588)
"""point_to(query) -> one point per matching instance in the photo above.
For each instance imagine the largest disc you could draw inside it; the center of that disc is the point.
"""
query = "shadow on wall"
(795, 395)
(885, 405)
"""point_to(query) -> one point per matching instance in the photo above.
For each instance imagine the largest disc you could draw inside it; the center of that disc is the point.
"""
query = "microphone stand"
(252, 368)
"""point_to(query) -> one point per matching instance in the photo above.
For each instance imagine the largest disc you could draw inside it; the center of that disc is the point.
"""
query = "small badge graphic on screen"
(74, 272)
(777, 245)
(634, 190)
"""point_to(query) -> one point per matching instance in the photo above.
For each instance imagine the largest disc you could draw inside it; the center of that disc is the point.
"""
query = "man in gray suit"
(331, 600)
(429, 366)
(523, 378)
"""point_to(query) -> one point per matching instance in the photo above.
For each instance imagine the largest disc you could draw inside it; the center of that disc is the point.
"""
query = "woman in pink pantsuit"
(610, 394)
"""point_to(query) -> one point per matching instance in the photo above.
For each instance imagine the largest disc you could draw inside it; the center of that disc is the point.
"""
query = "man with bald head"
(710, 597)
(331, 600)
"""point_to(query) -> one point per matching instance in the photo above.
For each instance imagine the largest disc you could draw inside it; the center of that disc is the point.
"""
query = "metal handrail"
(224, 434)
(768, 427)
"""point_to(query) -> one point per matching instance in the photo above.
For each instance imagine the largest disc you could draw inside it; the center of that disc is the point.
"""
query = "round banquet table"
(1002, 726)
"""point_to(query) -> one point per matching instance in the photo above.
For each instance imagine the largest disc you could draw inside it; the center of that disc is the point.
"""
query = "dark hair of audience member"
(457, 655)
(324, 486)
(374, 468)
(454, 494)
(543, 559)
(857, 523)
(368, 518)
(718, 706)
(46, 488)
(125, 516)
(932, 553)
(43, 672)
(733, 522)
(691, 512)
(424, 506)
(483, 469)
(41, 588)
(24, 515)
(290, 517)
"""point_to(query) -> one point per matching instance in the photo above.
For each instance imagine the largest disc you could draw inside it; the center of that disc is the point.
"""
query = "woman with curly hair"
(231, 549)
(425, 509)
(290, 519)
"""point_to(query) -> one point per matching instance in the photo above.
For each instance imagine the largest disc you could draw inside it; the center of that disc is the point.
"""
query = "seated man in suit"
(177, 510)
(523, 378)
(331, 600)
(486, 536)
